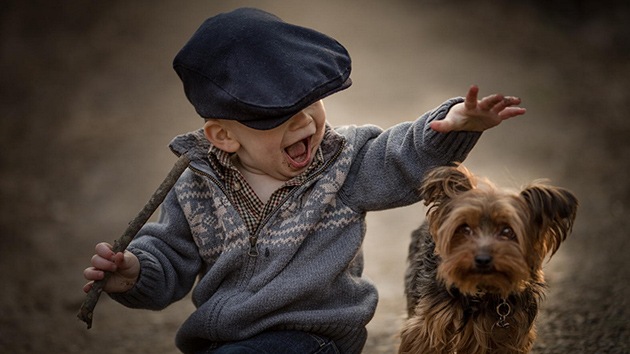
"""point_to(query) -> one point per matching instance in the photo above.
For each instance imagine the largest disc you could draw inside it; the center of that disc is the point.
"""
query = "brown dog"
(475, 278)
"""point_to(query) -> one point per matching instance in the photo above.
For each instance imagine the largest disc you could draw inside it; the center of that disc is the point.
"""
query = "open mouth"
(299, 153)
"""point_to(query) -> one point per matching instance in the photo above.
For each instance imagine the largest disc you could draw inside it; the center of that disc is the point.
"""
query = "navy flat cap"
(250, 66)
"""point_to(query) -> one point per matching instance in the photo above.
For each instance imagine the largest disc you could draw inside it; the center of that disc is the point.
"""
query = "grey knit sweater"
(302, 269)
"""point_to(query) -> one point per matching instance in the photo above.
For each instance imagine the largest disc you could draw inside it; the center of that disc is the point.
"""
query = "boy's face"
(282, 152)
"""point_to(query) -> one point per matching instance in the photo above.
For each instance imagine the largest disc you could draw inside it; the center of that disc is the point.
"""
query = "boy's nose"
(299, 121)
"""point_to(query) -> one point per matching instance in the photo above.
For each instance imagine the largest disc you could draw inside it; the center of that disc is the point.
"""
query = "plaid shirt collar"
(242, 195)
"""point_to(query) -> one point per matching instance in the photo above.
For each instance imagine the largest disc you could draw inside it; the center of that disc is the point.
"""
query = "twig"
(87, 308)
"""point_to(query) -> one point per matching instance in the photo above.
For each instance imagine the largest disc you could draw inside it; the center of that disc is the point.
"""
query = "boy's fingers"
(488, 103)
(510, 112)
(87, 287)
(513, 100)
(471, 98)
(93, 274)
(506, 102)
(101, 263)
(104, 250)
(119, 258)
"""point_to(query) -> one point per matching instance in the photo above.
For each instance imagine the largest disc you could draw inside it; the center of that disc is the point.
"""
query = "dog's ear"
(444, 183)
(553, 211)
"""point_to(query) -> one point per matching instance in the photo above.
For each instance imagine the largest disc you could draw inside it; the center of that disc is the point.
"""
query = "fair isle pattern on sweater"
(286, 228)
(216, 219)
(250, 207)
(209, 219)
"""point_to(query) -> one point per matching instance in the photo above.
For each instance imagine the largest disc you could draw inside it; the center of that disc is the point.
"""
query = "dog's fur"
(475, 278)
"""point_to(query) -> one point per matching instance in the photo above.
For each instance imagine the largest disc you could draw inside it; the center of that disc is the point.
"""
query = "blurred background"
(89, 103)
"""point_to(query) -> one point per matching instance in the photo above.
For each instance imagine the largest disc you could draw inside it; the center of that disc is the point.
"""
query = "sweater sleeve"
(169, 260)
(390, 165)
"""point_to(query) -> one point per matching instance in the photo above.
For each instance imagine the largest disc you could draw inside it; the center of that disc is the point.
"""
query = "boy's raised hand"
(479, 115)
(124, 266)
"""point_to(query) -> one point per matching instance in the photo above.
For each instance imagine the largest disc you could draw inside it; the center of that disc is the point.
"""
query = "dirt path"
(89, 103)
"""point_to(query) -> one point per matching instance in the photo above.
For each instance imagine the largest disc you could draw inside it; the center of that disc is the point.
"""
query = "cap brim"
(273, 122)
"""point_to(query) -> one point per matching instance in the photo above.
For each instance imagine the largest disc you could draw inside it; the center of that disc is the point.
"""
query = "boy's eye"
(507, 233)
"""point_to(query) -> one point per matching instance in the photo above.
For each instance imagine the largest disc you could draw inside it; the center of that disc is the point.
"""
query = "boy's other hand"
(124, 266)
(479, 115)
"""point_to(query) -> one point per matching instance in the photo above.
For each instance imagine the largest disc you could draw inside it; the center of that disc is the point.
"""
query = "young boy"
(270, 217)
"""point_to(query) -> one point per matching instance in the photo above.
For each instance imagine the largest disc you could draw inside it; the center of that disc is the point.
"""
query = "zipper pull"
(253, 248)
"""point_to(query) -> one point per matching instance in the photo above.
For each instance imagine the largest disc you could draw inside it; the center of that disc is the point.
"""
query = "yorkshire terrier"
(475, 280)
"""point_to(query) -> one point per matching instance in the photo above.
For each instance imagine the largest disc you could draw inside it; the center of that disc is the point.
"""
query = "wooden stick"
(87, 308)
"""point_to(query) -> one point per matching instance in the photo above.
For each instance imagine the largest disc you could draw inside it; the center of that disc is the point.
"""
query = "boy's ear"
(220, 136)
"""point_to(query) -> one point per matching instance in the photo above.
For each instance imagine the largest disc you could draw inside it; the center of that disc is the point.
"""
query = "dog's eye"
(464, 230)
(507, 233)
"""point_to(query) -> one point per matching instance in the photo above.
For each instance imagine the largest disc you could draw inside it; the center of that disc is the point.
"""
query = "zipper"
(253, 239)
(212, 178)
(253, 250)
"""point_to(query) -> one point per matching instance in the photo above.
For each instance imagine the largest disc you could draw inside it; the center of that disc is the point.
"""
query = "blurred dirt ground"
(89, 102)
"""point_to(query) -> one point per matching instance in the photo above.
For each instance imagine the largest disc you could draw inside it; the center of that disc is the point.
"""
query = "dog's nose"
(483, 260)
